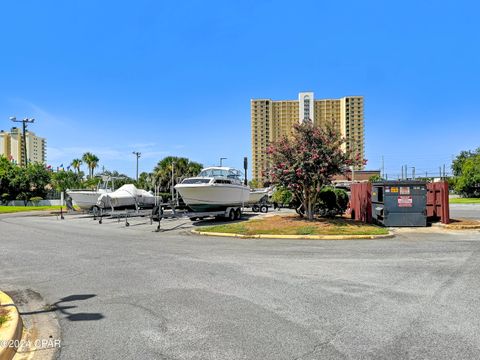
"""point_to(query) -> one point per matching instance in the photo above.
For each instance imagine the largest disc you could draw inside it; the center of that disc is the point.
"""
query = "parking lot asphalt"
(465, 211)
(131, 293)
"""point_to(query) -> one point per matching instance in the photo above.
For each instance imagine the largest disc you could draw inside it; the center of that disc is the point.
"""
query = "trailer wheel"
(264, 208)
(238, 214)
(193, 219)
(231, 215)
(255, 208)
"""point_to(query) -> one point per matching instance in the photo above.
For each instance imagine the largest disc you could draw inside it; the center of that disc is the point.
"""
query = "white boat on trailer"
(127, 196)
(256, 195)
(86, 199)
(214, 189)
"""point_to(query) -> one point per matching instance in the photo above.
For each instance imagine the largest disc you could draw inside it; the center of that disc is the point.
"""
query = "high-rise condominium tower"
(272, 119)
(11, 146)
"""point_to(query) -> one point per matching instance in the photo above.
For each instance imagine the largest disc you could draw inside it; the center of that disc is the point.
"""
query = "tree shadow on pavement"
(220, 221)
(63, 307)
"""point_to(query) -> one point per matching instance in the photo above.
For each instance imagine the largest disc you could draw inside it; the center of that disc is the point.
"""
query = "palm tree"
(92, 162)
(76, 163)
(182, 168)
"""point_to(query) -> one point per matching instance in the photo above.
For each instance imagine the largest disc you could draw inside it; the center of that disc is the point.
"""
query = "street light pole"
(173, 180)
(137, 154)
(221, 160)
(24, 123)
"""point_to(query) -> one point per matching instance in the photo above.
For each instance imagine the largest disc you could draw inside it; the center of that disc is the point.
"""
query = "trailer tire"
(255, 208)
(95, 211)
(193, 219)
(231, 215)
(238, 214)
(264, 208)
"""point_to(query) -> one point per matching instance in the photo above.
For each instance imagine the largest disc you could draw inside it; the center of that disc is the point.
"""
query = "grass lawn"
(293, 225)
(14, 209)
(465, 201)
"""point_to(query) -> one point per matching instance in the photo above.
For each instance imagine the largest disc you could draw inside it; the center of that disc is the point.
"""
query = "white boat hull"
(85, 199)
(127, 196)
(256, 195)
(212, 197)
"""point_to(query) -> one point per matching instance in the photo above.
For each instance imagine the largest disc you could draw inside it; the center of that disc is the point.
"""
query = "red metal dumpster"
(361, 202)
(438, 206)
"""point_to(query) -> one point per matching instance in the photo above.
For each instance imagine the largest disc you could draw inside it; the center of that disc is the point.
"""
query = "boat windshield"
(230, 173)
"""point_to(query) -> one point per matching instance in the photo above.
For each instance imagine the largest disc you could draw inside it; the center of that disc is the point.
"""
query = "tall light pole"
(137, 154)
(24, 123)
(173, 180)
(221, 160)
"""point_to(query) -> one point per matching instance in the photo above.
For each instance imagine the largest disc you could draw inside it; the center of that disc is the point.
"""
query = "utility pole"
(24, 123)
(221, 160)
(245, 168)
(173, 179)
(444, 175)
(402, 173)
(383, 167)
(406, 172)
(413, 173)
(137, 155)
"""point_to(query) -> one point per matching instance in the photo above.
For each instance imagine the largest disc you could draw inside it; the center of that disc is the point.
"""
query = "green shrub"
(282, 196)
(342, 200)
(332, 202)
(166, 197)
(327, 202)
(4, 199)
(36, 200)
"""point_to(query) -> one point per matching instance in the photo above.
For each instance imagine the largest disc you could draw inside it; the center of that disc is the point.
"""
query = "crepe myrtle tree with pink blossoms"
(307, 160)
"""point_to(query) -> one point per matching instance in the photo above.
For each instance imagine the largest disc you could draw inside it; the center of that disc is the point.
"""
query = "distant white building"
(11, 146)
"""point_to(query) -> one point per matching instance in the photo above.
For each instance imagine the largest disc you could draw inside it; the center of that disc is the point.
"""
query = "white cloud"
(41, 115)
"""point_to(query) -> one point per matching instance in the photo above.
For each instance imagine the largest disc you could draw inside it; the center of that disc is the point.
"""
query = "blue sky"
(176, 78)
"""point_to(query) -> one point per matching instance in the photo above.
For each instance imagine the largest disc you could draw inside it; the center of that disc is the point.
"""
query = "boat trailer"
(165, 211)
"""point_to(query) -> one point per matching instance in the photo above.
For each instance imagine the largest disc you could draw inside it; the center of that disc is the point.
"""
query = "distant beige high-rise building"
(11, 146)
(272, 119)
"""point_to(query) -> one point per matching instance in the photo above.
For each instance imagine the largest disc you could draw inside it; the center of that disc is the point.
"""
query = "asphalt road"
(131, 293)
(465, 211)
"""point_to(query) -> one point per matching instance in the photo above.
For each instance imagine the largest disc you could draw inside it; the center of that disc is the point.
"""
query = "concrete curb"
(11, 331)
(461, 227)
(297, 237)
(454, 226)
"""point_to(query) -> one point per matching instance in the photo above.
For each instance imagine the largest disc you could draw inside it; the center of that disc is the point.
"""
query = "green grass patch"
(292, 225)
(465, 201)
(306, 230)
(15, 209)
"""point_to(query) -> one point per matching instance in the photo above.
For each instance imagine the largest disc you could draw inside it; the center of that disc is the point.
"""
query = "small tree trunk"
(308, 206)
(310, 210)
